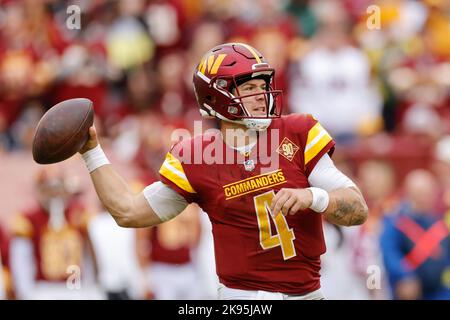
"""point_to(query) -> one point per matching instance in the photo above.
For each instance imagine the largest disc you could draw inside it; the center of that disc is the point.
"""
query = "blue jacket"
(417, 245)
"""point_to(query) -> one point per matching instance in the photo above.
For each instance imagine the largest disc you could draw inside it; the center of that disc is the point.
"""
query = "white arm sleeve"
(326, 176)
(23, 267)
(165, 202)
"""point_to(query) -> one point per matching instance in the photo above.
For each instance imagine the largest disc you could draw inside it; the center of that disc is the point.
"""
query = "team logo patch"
(211, 63)
(287, 149)
(249, 165)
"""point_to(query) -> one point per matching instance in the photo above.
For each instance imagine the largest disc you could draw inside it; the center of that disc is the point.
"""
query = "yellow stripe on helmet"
(258, 59)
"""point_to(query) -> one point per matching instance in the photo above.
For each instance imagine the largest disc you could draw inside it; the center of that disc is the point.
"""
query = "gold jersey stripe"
(313, 133)
(173, 171)
(316, 147)
(253, 52)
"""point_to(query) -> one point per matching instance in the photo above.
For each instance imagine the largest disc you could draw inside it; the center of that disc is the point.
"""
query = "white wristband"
(95, 158)
(320, 200)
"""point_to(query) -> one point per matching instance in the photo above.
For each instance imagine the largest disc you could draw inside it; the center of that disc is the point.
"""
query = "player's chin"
(259, 113)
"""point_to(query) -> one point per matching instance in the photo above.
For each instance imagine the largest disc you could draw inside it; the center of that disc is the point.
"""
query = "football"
(63, 130)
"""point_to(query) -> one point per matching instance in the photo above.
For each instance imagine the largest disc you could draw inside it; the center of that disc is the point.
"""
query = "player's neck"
(237, 135)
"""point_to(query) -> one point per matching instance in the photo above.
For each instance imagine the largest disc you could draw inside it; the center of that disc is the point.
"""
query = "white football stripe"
(315, 140)
(175, 171)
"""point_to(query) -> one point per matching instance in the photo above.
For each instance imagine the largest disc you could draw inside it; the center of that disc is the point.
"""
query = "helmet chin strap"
(251, 124)
(260, 124)
(257, 124)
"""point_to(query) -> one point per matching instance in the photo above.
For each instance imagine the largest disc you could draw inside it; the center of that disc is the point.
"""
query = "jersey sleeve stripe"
(318, 138)
(172, 170)
(317, 148)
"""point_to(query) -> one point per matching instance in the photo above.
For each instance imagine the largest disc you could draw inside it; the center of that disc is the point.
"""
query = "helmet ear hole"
(210, 99)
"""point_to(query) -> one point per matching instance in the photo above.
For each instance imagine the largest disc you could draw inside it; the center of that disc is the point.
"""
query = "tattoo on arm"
(348, 209)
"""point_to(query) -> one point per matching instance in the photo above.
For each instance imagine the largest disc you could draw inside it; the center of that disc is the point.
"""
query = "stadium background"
(382, 93)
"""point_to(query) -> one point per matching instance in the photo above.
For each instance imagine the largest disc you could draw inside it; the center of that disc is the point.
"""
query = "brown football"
(62, 130)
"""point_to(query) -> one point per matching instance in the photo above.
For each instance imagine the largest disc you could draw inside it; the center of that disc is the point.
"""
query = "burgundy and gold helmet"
(224, 68)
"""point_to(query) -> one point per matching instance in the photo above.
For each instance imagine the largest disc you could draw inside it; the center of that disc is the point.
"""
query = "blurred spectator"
(416, 244)
(166, 251)
(340, 278)
(204, 259)
(119, 274)
(134, 59)
(174, 97)
(23, 129)
(333, 81)
(50, 252)
(128, 42)
(82, 74)
(269, 28)
(441, 167)
(411, 61)
(378, 183)
(164, 20)
(301, 10)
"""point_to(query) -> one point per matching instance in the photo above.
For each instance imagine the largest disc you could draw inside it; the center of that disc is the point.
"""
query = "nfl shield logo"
(249, 165)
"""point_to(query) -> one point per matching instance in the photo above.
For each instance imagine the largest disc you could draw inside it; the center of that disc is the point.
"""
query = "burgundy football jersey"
(54, 250)
(254, 251)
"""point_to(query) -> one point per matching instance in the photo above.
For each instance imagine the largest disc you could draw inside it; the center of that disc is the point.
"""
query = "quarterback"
(266, 208)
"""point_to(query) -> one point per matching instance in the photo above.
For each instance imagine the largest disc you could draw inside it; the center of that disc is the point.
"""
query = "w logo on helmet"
(211, 63)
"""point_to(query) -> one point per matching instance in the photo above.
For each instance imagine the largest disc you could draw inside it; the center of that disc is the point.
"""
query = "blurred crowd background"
(382, 91)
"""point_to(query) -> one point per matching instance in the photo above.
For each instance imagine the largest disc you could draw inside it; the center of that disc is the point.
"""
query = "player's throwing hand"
(92, 141)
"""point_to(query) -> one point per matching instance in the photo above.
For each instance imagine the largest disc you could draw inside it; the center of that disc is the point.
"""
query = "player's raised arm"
(126, 207)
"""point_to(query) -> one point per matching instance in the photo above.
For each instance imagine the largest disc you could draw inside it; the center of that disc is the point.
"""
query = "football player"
(49, 245)
(167, 254)
(265, 181)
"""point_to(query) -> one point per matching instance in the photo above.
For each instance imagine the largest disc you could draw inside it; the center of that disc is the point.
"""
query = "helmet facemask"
(235, 110)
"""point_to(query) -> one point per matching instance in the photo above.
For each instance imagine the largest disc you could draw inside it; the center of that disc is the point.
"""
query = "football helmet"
(223, 69)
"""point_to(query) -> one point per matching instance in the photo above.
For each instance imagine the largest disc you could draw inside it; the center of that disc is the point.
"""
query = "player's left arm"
(332, 193)
(346, 207)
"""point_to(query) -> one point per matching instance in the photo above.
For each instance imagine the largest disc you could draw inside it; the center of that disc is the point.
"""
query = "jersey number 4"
(284, 236)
